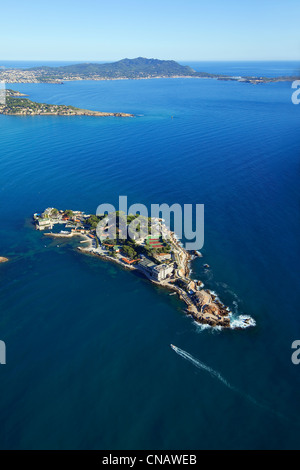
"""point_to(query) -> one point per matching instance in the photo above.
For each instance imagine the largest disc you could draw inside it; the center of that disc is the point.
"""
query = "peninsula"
(126, 69)
(14, 94)
(160, 258)
(18, 106)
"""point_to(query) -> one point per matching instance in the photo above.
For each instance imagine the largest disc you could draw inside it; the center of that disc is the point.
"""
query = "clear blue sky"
(178, 29)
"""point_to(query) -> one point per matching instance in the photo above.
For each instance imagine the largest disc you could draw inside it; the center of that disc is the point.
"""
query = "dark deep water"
(88, 358)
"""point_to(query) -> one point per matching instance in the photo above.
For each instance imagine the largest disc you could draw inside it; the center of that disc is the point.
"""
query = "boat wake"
(216, 375)
(201, 365)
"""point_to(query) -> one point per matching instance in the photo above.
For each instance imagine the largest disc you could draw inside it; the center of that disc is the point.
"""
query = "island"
(160, 258)
(126, 69)
(3, 259)
(18, 106)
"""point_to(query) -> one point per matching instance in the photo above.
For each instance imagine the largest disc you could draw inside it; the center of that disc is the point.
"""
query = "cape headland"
(161, 257)
(17, 105)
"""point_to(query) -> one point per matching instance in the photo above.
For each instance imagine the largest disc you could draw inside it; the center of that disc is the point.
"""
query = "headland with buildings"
(160, 258)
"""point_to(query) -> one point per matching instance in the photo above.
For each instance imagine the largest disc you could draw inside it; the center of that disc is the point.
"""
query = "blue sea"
(89, 363)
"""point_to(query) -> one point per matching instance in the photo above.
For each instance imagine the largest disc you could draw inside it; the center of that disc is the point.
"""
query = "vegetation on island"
(67, 213)
(129, 246)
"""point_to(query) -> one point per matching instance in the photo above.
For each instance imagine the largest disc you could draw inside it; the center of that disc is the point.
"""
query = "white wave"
(203, 327)
(242, 321)
(212, 292)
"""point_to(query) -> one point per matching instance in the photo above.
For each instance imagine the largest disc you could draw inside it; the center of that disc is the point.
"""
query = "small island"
(161, 259)
(3, 259)
(17, 105)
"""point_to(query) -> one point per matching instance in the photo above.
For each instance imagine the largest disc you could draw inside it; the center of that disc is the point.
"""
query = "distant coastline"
(126, 69)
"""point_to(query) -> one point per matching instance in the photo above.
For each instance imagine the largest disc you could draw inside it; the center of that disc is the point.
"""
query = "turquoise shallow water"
(88, 357)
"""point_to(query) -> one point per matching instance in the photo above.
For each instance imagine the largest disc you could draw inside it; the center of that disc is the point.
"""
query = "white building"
(44, 224)
(156, 272)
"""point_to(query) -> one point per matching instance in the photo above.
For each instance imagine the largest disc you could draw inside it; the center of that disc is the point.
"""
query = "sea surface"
(89, 363)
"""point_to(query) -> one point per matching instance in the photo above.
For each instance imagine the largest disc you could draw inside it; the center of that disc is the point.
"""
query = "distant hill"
(139, 68)
(126, 68)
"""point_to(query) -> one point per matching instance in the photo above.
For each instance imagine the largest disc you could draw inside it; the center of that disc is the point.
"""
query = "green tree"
(68, 213)
(92, 221)
(130, 252)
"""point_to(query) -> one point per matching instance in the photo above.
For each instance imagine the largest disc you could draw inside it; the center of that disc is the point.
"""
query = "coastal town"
(161, 258)
(25, 76)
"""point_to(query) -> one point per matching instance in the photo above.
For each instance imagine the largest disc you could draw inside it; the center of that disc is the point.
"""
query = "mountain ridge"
(129, 68)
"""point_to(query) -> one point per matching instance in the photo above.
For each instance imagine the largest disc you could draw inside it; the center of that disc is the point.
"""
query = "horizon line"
(177, 60)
